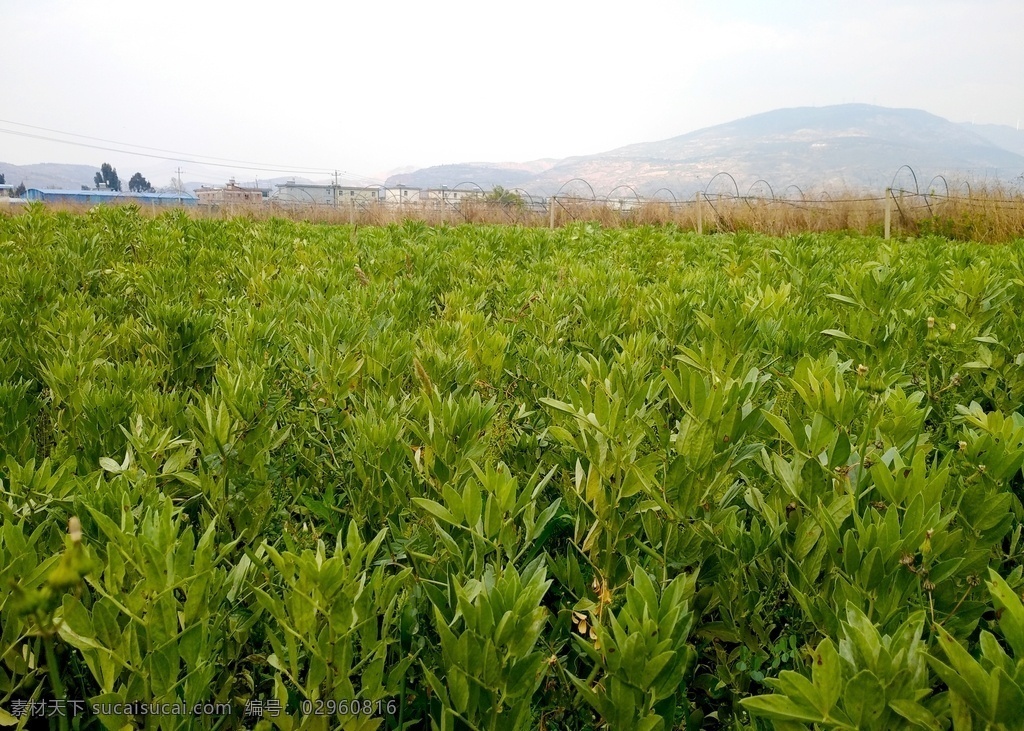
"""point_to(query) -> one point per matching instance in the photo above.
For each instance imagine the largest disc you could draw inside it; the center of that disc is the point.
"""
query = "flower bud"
(75, 529)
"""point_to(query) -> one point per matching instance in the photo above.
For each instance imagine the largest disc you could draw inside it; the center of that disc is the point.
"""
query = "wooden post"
(551, 212)
(888, 212)
(700, 215)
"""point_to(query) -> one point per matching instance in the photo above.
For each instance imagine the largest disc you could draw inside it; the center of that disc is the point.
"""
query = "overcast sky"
(368, 87)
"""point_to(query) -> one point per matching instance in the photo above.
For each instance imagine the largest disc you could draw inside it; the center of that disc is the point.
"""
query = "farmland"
(493, 477)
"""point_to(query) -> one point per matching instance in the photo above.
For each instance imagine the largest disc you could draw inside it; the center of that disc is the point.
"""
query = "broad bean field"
(284, 475)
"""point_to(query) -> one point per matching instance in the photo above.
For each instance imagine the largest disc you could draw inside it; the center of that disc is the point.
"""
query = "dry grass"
(990, 214)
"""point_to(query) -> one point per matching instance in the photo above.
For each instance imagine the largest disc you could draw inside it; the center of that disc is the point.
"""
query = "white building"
(444, 197)
(326, 194)
(401, 195)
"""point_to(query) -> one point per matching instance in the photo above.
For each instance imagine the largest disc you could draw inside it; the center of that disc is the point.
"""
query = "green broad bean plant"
(487, 477)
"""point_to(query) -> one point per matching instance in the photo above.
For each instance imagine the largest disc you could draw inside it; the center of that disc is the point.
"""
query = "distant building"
(96, 197)
(443, 197)
(229, 195)
(401, 195)
(326, 194)
(6, 193)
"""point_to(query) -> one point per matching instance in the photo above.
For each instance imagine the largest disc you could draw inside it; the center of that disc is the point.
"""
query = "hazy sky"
(367, 87)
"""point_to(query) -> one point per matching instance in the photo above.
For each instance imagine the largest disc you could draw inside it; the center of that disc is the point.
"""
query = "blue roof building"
(95, 197)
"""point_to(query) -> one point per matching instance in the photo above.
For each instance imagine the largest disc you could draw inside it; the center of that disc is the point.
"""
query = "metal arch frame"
(457, 186)
(761, 180)
(572, 215)
(385, 189)
(707, 199)
(467, 182)
(451, 203)
(917, 186)
(927, 194)
(527, 194)
(639, 200)
(379, 187)
(675, 201)
(735, 186)
(803, 196)
(593, 195)
(945, 183)
(800, 203)
(534, 204)
(748, 198)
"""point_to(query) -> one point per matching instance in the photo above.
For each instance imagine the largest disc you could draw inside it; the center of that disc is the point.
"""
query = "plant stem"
(55, 682)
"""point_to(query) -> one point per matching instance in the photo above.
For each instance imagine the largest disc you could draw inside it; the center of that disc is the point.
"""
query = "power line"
(178, 157)
(153, 149)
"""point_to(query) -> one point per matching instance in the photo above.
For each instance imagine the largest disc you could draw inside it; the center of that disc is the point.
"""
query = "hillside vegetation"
(486, 477)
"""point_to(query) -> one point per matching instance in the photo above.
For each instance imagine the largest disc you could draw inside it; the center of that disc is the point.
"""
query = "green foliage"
(508, 478)
(871, 682)
(139, 184)
(107, 176)
(490, 665)
(505, 197)
(640, 655)
(988, 691)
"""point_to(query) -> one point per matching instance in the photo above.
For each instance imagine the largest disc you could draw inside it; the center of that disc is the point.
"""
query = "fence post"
(888, 212)
(551, 212)
(700, 214)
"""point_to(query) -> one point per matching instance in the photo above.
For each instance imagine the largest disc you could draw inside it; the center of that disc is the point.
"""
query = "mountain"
(50, 175)
(486, 175)
(1001, 135)
(853, 146)
(262, 183)
(73, 177)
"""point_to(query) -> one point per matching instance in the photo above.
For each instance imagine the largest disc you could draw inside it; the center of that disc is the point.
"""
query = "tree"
(139, 184)
(2, 179)
(107, 176)
(19, 192)
(507, 198)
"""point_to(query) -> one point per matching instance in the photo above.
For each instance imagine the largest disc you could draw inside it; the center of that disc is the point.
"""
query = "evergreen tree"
(139, 184)
(107, 175)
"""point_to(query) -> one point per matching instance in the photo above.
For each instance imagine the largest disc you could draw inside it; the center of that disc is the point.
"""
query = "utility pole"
(335, 196)
(887, 226)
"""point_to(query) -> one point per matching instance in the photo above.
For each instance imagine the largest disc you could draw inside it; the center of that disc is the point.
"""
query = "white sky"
(367, 87)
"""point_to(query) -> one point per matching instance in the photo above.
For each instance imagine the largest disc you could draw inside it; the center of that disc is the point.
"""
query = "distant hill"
(73, 177)
(855, 146)
(49, 175)
(852, 146)
(1001, 135)
(261, 183)
(486, 175)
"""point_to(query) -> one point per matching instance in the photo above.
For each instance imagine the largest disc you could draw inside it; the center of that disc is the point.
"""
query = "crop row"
(504, 478)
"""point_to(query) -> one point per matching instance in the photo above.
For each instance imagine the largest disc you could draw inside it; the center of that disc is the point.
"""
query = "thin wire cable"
(191, 160)
(144, 147)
